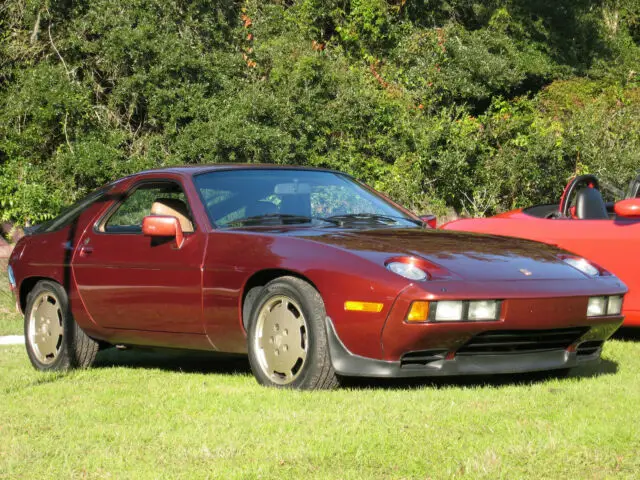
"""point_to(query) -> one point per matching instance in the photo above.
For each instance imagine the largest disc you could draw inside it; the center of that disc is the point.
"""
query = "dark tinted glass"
(232, 196)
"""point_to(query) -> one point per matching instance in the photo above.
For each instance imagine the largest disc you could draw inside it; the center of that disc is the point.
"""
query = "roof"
(198, 169)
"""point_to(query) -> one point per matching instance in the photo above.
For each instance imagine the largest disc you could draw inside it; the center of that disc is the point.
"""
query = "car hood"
(470, 256)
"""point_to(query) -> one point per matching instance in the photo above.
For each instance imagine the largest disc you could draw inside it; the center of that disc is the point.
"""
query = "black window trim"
(98, 226)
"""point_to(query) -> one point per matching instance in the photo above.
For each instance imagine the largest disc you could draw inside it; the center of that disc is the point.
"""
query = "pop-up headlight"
(584, 265)
(407, 270)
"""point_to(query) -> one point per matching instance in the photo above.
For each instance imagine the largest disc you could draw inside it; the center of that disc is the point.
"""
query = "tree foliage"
(475, 106)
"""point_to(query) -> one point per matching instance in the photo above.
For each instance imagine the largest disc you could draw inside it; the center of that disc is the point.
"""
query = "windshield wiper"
(368, 219)
(340, 220)
(270, 219)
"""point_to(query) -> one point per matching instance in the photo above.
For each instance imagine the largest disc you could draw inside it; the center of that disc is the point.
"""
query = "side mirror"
(629, 208)
(163, 226)
(430, 220)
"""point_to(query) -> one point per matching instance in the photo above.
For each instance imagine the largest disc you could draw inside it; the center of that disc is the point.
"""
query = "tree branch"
(58, 53)
(36, 30)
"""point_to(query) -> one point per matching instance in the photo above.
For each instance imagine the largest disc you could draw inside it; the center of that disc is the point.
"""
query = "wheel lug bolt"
(286, 332)
(276, 352)
(271, 340)
(285, 348)
(276, 327)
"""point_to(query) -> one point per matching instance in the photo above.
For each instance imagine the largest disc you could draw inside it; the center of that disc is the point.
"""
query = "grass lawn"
(10, 320)
(144, 414)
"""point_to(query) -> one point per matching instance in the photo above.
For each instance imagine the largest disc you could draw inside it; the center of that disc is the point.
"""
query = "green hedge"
(473, 106)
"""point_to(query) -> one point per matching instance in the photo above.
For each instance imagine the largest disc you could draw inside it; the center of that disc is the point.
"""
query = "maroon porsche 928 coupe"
(313, 274)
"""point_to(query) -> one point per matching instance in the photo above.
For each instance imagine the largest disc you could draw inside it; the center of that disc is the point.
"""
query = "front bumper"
(435, 363)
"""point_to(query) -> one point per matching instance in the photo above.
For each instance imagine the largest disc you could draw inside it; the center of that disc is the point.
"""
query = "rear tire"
(287, 338)
(53, 339)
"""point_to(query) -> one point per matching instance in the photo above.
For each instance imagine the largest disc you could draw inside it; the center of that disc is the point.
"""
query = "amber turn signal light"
(419, 312)
(363, 307)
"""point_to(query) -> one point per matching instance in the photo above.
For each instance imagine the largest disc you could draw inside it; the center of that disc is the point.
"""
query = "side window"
(150, 199)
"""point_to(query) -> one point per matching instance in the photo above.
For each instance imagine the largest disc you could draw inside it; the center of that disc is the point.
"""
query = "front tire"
(53, 339)
(287, 338)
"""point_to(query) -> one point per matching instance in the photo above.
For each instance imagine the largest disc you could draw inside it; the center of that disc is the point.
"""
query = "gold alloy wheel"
(45, 328)
(281, 341)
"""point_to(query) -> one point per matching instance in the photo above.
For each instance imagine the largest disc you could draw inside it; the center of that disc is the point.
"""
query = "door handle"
(85, 250)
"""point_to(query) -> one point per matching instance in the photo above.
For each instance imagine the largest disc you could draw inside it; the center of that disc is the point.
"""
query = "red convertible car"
(310, 272)
(607, 233)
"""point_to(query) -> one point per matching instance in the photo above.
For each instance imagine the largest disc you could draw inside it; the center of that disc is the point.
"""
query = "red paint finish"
(629, 208)
(611, 244)
(163, 227)
(128, 282)
(526, 305)
(139, 289)
(338, 276)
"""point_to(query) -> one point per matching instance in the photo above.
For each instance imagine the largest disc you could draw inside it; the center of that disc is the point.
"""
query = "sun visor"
(293, 188)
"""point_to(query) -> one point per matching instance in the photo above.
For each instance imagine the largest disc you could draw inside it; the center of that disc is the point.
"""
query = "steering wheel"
(572, 187)
(553, 215)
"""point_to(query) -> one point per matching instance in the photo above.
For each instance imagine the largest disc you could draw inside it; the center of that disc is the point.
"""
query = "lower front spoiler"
(348, 364)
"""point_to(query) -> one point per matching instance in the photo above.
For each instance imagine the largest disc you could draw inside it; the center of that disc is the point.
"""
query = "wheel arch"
(27, 285)
(259, 279)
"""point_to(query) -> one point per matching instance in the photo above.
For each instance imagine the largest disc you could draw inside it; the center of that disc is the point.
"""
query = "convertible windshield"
(239, 198)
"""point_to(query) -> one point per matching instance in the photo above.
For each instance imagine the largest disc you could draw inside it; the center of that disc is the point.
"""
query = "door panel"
(129, 281)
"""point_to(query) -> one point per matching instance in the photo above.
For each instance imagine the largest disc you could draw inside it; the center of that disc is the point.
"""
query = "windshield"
(237, 198)
(613, 190)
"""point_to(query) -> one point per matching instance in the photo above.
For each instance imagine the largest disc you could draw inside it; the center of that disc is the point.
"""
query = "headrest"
(590, 205)
(174, 208)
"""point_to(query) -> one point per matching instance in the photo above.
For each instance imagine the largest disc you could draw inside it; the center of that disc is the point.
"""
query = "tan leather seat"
(174, 208)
